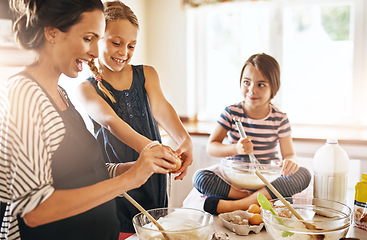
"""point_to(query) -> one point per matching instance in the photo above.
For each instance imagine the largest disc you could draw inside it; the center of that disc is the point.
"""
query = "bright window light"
(317, 44)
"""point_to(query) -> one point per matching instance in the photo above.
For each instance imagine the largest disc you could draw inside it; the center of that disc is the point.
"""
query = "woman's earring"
(52, 41)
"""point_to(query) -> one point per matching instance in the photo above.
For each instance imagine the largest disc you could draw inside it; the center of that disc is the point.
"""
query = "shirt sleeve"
(284, 129)
(226, 119)
(30, 131)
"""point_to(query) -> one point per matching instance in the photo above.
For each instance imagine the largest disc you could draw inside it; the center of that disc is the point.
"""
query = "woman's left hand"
(184, 151)
(288, 166)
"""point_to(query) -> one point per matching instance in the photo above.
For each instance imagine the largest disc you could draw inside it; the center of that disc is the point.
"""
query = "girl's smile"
(118, 61)
(251, 98)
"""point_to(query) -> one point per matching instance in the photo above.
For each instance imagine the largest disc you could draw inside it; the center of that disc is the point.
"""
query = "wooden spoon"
(142, 210)
(308, 225)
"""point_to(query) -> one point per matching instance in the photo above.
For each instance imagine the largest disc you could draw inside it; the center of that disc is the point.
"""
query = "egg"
(254, 208)
(178, 164)
(255, 219)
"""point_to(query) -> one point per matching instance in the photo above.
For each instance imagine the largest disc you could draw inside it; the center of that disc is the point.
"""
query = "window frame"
(196, 57)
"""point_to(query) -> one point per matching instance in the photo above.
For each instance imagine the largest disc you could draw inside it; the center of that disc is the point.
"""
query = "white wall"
(162, 44)
(138, 7)
(166, 50)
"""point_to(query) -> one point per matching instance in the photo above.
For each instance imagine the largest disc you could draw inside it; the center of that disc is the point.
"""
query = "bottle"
(360, 203)
(331, 165)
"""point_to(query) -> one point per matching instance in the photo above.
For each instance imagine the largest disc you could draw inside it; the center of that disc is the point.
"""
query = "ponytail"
(97, 75)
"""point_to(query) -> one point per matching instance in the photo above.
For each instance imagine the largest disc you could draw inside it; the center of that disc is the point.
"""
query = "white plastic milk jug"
(331, 165)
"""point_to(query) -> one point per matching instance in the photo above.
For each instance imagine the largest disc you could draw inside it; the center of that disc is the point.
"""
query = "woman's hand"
(157, 159)
(184, 152)
(288, 166)
(244, 146)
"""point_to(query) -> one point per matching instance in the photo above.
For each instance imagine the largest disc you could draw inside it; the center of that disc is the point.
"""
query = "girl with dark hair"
(126, 103)
(54, 180)
(267, 127)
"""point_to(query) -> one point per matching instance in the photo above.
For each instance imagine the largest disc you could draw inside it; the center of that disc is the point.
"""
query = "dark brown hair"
(32, 16)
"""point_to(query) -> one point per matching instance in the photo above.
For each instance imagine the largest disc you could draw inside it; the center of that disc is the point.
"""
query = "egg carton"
(240, 229)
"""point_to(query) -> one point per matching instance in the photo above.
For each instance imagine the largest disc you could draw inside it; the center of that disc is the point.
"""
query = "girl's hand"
(184, 152)
(244, 146)
(179, 163)
(157, 159)
(288, 167)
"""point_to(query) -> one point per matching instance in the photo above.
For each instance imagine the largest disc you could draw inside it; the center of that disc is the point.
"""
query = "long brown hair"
(113, 10)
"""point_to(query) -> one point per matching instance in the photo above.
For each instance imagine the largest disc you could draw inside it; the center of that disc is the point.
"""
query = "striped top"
(264, 133)
(31, 130)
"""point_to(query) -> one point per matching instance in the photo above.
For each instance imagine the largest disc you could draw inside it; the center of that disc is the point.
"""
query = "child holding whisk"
(266, 126)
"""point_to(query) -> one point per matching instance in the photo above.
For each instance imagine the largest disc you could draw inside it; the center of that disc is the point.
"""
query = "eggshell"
(178, 164)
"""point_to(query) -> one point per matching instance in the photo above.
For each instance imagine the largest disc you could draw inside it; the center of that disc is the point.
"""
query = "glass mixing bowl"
(330, 220)
(241, 174)
(178, 223)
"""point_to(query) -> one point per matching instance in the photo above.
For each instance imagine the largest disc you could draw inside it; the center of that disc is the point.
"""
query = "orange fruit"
(254, 208)
(255, 219)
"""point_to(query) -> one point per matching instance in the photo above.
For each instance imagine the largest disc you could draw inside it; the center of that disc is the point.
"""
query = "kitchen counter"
(263, 235)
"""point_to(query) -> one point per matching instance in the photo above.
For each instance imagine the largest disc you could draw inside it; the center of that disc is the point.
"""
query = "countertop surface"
(353, 232)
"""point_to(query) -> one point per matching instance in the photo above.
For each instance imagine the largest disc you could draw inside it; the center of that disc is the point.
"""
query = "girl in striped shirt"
(267, 128)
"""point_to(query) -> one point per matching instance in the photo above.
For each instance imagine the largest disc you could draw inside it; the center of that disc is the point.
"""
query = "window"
(319, 45)
(318, 50)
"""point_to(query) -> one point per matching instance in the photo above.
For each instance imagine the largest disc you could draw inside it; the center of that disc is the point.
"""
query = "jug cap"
(332, 140)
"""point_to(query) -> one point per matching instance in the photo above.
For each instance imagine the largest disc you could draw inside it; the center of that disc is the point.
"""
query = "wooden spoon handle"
(280, 197)
(141, 209)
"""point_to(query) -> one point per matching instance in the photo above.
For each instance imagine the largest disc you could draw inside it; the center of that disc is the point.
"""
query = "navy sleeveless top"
(132, 106)
(78, 162)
